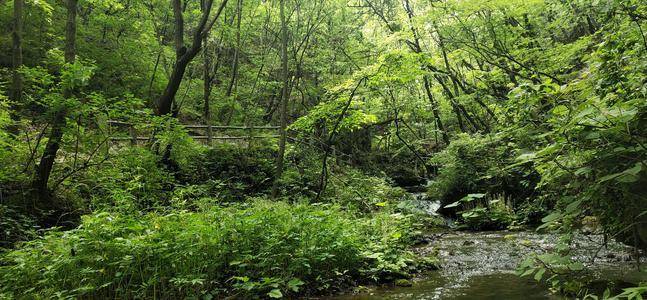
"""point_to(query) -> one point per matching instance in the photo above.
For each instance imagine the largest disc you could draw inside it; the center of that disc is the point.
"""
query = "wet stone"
(403, 283)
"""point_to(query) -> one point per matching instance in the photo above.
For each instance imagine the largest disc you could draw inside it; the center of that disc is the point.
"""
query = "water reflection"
(486, 287)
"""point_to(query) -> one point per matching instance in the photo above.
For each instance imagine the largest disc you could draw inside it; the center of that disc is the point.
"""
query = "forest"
(323, 149)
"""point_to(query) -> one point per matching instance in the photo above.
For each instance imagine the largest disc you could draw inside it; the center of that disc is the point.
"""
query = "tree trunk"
(415, 47)
(44, 169)
(234, 66)
(168, 97)
(207, 92)
(284, 101)
(207, 82)
(179, 68)
(16, 56)
(435, 110)
(184, 55)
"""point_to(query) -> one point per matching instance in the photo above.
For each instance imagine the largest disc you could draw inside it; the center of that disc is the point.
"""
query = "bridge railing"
(203, 133)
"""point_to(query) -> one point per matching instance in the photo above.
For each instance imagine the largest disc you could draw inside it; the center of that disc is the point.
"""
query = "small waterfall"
(421, 201)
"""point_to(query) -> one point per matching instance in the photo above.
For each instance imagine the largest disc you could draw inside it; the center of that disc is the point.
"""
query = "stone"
(403, 282)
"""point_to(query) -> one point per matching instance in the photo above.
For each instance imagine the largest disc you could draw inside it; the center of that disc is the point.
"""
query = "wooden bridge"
(199, 132)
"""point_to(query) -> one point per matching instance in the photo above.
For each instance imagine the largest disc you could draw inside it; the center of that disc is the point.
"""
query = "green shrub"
(132, 181)
(481, 164)
(480, 212)
(136, 178)
(402, 166)
(172, 136)
(259, 249)
(347, 186)
(15, 226)
(302, 175)
(531, 212)
(357, 191)
(495, 216)
(12, 153)
(232, 172)
(389, 236)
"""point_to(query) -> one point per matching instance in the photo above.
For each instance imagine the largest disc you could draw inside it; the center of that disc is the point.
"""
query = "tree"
(415, 46)
(234, 66)
(184, 55)
(283, 105)
(16, 53)
(44, 169)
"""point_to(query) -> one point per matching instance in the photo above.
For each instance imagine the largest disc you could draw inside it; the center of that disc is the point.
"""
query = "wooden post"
(209, 135)
(133, 135)
(250, 136)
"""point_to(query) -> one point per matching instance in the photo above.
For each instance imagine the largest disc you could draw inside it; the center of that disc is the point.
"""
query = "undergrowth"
(260, 249)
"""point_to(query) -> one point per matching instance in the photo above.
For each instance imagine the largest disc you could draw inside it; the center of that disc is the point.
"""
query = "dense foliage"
(261, 248)
(137, 137)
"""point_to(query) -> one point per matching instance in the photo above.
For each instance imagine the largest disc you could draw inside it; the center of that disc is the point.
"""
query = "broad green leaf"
(552, 217)
(573, 206)
(454, 204)
(540, 274)
(635, 170)
(526, 157)
(478, 196)
(294, 284)
(275, 293)
(576, 266)
(627, 178)
(527, 272)
(609, 177)
(583, 170)
(593, 136)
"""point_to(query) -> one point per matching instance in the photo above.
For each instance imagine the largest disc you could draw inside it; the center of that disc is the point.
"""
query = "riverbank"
(482, 265)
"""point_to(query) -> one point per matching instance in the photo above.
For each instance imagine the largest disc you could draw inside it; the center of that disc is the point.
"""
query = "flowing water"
(481, 265)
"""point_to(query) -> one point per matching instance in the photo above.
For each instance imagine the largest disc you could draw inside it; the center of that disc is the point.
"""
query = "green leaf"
(275, 293)
(592, 136)
(552, 217)
(576, 266)
(635, 170)
(583, 170)
(609, 177)
(540, 274)
(526, 157)
(477, 196)
(471, 197)
(294, 284)
(573, 206)
(627, 178)
(527, 272)
(455, 204)
(242, 279)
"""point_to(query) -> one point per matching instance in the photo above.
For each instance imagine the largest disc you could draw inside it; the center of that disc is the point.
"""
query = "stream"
(481, 265)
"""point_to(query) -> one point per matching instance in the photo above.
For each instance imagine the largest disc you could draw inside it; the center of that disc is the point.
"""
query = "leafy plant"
(15, 226)
(260, 248)
(476, 164)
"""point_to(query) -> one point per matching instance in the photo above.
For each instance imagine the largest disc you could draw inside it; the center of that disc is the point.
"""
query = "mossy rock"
(526, 243)
(509, 237)
(403, 282)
